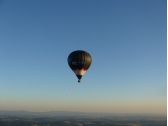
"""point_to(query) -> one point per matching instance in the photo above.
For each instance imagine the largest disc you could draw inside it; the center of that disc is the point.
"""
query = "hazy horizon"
(24, 112)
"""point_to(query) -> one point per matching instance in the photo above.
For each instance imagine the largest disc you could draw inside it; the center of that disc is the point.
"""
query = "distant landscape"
(63, 118)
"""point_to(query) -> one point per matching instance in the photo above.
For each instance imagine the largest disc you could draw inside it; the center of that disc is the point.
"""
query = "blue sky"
(127, 42)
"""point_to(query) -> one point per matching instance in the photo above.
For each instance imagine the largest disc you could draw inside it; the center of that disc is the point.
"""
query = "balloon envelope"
(79, 61)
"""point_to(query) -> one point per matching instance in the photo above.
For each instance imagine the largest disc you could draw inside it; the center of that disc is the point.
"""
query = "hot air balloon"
(79, 61)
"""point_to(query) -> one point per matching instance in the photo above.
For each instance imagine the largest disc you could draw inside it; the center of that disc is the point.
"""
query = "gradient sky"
(127, 42)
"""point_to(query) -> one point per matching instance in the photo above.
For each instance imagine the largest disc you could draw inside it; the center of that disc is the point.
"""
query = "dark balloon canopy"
(79, 61)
